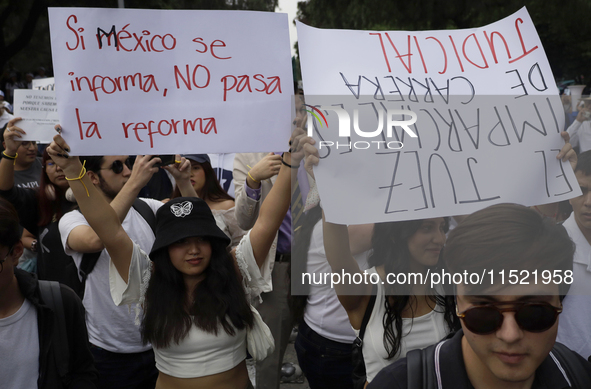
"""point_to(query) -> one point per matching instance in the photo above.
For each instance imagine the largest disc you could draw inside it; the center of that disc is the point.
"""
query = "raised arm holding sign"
(481, 102)
(166, 82)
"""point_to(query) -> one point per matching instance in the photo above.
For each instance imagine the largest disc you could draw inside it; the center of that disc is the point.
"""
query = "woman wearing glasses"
(196, 312)
(39, 209)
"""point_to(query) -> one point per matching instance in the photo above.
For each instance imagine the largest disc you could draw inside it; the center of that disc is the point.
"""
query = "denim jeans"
(326, 363)
(125, 371)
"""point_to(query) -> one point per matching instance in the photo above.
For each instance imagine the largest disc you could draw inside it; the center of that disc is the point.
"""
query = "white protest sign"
(481, 102)
(38, 109)
(169, 81)
(44, 83)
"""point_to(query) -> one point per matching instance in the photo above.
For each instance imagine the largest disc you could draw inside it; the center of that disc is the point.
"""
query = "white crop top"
(418, 333)
(200, 353)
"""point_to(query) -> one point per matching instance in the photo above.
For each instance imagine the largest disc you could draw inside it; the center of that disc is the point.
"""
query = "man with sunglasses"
(121, 358)
(509, 325)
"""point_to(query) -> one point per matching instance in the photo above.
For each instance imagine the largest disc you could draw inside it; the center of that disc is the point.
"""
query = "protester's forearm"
(338, 254)
(337, 247)
(103, 219)
(252, 183)
(277, 202)
(6, 174)
(93, 205)
(272, 213)
(186, 188)
(360, 238)
(245, 217)
(124, 199)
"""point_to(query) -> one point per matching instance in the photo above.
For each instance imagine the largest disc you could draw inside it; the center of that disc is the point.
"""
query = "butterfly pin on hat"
(185, 217)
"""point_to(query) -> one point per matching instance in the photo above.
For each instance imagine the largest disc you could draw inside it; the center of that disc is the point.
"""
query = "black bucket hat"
(185, 217)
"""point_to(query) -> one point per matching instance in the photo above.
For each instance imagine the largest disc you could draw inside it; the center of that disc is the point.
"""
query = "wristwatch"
(34, 246)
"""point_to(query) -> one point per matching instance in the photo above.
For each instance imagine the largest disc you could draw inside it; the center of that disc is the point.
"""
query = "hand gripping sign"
(443, 122)
(170, 81)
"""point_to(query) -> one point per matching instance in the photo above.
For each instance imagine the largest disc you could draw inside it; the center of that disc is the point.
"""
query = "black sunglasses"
(117, 166)
(531, 317)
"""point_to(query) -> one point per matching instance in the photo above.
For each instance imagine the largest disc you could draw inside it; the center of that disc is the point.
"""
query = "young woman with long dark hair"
(404, 316)
(196, 313)
(206, 184)
(40, 210)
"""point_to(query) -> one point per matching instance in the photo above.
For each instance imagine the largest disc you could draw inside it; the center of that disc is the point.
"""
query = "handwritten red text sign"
(165, 82)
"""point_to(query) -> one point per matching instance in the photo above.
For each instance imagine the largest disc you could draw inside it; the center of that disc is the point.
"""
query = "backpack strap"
(87, 264)
(359, 372)
(144, 209)
(571, 366)
(422, 367)
(52, 296)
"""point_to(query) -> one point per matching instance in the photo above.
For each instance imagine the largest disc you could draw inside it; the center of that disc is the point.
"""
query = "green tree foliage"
(563, 26)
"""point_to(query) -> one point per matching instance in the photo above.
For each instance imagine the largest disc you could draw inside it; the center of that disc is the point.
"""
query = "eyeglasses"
(117, 166)
(531, 317)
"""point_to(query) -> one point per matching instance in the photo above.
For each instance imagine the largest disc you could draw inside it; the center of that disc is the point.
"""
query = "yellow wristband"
(4, 155)
(82, 174)
(253, 178)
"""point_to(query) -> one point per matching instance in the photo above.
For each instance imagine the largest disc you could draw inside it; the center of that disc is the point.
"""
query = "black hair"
(217, 300)
(50, 198)
(212, 190)
(584, 163)
(9, 224)
(93, 163)
(508, 236)
(390, 248)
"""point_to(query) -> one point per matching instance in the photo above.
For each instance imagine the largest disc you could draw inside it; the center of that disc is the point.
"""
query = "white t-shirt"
(324, 312)
(199, 353)
(223, 165)
(109, 326)
(19, 348)
(574, 330)
(418, 333)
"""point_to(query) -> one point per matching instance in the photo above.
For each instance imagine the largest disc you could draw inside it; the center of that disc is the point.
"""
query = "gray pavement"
(290, 356)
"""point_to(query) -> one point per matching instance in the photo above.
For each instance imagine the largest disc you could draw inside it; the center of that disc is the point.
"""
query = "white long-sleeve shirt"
(580, 134)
